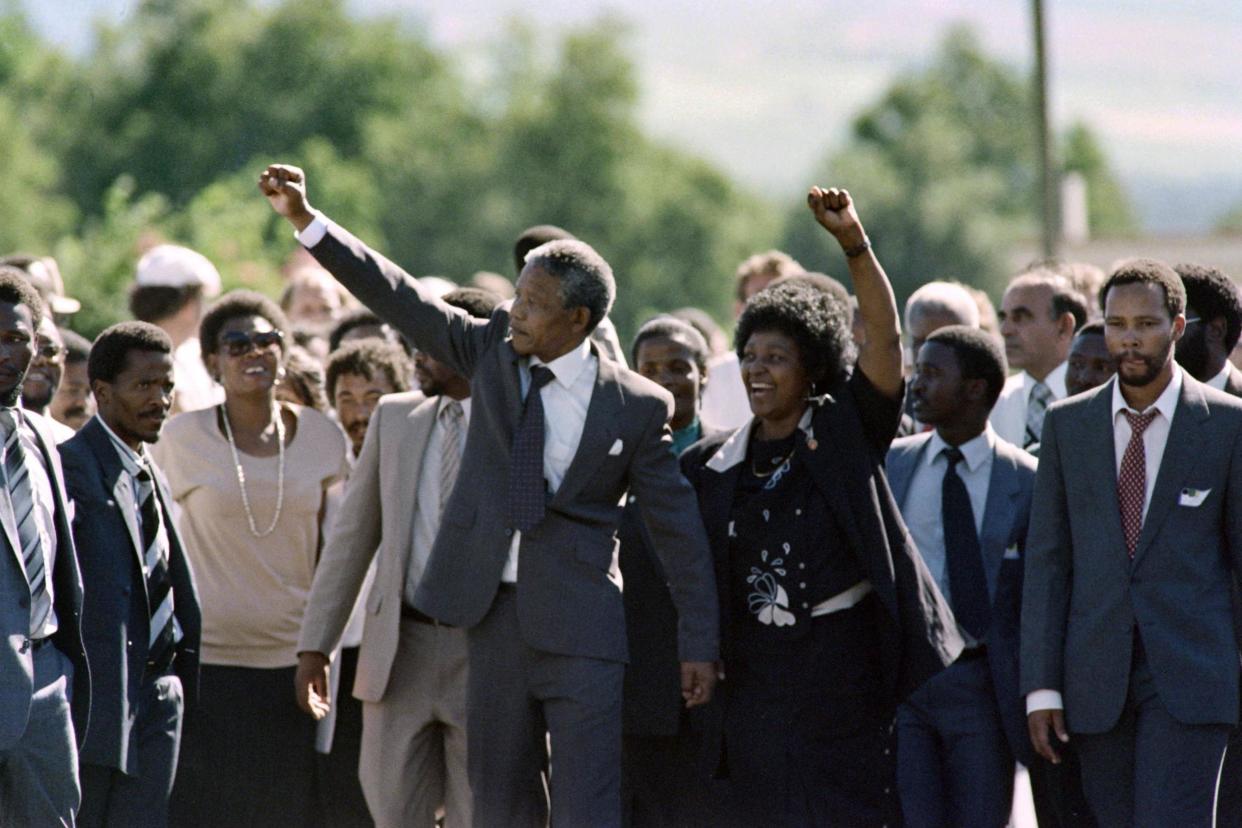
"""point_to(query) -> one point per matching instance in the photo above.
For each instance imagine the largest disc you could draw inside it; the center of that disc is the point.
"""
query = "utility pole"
(1047, 166)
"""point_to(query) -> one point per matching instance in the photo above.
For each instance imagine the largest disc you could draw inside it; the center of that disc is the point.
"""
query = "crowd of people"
(393, 551)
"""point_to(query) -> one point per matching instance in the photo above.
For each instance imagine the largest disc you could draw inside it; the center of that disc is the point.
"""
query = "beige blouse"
(253, 591)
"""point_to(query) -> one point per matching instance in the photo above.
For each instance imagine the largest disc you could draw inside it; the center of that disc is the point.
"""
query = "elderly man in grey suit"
(526, 554)
(1128, 641)
(44, 683)
(411, 669)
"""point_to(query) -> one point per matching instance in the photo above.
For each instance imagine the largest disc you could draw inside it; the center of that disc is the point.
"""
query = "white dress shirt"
(1155, 438)
(922, 507)
(565, 402)
(1009, 414)
(426, 524)
(1218, 381)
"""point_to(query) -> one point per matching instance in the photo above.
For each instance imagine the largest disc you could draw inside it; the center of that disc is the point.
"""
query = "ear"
(102, 391)
(1179, 326)
(581, 318)
(1065, 325)
(976, 389)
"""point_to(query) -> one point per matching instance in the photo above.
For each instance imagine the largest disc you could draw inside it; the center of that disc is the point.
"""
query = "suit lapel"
(901, 465)
(10, 528)
(998, 513)
(1101, 462)
(416, 435)
(1183, 446)
(113, 473)
(511, 385)
(598, 431)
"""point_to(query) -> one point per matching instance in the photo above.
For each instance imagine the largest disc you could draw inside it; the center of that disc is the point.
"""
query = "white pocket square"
(1011, 553)
(1193, 497)
(616, 448)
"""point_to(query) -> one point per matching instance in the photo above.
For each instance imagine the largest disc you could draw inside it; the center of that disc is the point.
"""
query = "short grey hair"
(943, 299)
(586, 279)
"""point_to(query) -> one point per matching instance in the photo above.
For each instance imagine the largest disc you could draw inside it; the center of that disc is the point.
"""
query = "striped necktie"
(159, 584)
(450, 460)
(1036, 407)
(21, 495)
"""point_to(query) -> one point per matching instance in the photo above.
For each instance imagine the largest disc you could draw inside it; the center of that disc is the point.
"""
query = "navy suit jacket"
(116, 618)
(1002, 541)
(16, 653)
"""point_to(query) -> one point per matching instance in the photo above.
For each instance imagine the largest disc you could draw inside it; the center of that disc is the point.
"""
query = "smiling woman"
(250, 477)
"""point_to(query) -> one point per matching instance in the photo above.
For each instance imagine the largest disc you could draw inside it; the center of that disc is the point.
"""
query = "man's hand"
(285, 188)
(310, 683)
(834, 209)
(697, 680)
(1041, 724)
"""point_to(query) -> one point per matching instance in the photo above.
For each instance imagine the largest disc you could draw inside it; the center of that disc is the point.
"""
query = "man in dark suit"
(142, 622)
(965, 495)
(1127, 631)
(44, 683)
(1213, 326)
(525, 558)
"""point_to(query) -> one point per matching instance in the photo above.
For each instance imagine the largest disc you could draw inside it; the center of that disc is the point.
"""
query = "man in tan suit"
(411, 669)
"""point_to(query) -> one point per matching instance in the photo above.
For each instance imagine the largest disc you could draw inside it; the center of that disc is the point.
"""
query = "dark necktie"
(1132, 480)
(21, 495)
(527, 489)
(160, 646)
(968, 585)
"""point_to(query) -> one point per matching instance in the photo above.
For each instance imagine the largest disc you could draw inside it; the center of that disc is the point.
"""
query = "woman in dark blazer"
(829, 617)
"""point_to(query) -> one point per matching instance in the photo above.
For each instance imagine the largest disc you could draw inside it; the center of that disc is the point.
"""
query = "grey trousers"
(39, 774)
(520, 702)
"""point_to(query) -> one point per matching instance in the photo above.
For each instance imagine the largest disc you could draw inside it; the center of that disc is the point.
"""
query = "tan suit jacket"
(376, 515)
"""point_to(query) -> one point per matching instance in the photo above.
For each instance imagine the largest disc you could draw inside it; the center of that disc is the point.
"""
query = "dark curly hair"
(817, 321)
(1148, 272)
(369, 358)
(110, 352)
(1213, 294)
(979, 355)
(15, 288)
(670, 327)
(238, 303)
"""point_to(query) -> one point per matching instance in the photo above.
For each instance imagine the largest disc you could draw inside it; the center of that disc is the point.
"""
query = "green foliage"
(1108, 209)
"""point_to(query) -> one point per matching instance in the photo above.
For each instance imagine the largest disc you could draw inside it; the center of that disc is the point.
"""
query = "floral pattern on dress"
(768, 600)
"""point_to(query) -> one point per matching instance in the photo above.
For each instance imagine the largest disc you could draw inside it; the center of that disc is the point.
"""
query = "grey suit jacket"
(376, 517)
(16, 653)
(1006, 516)
(1083, 595)
(116, 620)
(569, 585)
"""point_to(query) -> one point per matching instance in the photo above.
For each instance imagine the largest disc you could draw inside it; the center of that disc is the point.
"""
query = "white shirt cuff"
(314, 232)
(1043, 700)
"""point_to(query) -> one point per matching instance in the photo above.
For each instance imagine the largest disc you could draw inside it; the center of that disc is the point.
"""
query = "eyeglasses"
(237, 343)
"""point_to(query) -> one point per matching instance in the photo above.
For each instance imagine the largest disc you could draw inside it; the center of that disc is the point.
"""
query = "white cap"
(170, 265)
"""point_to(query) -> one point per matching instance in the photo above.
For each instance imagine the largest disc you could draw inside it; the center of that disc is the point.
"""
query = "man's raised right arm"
(446, 333)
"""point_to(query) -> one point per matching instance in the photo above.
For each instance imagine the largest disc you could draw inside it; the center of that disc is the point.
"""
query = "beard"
(1152, 366)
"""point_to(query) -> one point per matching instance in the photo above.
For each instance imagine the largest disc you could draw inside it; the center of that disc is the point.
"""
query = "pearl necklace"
(241, 473)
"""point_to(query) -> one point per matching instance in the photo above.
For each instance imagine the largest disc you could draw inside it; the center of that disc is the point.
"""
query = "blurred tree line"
(160, 130)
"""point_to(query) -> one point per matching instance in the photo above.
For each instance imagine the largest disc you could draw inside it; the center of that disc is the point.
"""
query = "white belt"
(842, 600)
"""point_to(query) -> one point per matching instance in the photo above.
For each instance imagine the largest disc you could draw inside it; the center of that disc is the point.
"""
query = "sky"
(767, 89)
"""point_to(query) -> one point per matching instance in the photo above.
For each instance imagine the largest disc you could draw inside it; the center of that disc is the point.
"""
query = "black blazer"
(851, 431)
(115, 618)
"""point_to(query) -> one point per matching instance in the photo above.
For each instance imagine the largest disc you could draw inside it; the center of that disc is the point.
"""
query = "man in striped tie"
(142, 622)
(44, 682)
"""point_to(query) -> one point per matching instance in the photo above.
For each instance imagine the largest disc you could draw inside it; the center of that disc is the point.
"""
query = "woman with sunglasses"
(249, 476)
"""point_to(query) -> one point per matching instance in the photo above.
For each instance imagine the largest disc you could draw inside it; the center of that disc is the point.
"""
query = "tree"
(1108, 209)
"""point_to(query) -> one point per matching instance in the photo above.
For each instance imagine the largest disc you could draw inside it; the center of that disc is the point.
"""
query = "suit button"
(508, 533)
(129, 644)
(25, 646)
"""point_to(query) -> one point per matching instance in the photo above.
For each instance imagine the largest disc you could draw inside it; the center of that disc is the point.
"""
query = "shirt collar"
(132, 460)
(1166, 403)
(975, 451)
(1218, 381)
(568, 367)
(733, 451)
(445, 399)
(1055, 382)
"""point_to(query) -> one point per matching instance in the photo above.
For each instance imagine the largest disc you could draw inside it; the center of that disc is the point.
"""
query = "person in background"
(302, 382)
(492, 283)
(937, 305)
(1089, 364)
(362, 324)
(44, 681)
(1087, 279)
(359, 374)
(411, 670)
(170, 287)
(661, 778)
(250, 476)
(44, 375)
(1213, 327)
(44, 273)
(965, 496)
(725, 404)
(73, 404)
(1039, 314)
(141, 622)
(988, 319)
(605, 333)
(829, 616)
(715, 337)
(311, 299)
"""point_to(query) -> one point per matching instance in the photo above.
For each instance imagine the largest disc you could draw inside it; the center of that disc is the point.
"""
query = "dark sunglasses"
(237, 343)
